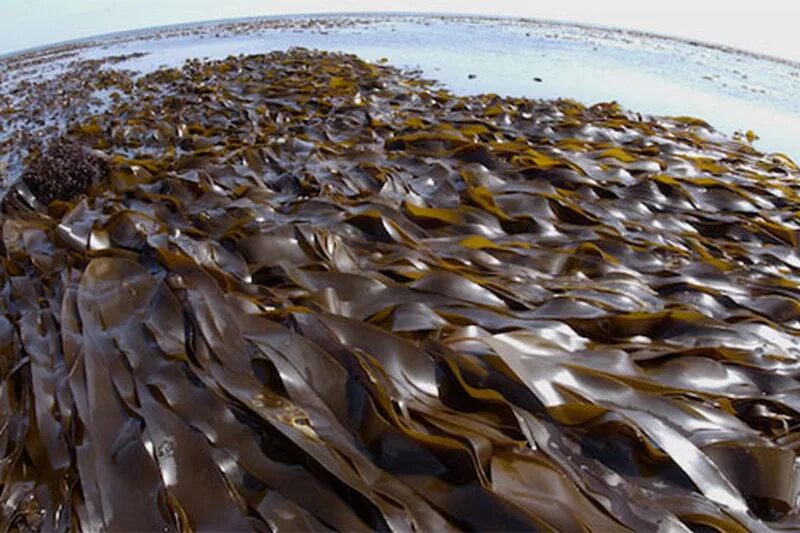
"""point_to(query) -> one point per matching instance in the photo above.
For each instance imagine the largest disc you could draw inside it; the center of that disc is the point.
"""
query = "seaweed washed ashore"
(300, 291)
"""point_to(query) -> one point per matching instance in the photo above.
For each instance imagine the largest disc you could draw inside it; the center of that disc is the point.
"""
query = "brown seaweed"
(315, 293)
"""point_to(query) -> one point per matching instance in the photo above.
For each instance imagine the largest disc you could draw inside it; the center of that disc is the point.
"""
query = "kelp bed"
(317, 293)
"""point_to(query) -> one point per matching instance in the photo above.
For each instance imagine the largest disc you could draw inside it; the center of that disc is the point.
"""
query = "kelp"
(316, 293)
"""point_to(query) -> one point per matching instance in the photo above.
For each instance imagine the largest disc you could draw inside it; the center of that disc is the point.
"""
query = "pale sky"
(766, 26)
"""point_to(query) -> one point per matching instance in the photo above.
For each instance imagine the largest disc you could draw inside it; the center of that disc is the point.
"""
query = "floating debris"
(315, 292)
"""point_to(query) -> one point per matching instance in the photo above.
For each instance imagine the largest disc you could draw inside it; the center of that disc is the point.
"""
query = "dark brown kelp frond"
(315, 293)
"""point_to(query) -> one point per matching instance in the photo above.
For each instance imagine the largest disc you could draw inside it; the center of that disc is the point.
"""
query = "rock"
(63, 171)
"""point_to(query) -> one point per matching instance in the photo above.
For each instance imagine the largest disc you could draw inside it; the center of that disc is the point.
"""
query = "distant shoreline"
(150, 32)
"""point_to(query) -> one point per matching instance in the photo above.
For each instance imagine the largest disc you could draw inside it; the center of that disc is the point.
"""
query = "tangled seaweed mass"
(317, 293)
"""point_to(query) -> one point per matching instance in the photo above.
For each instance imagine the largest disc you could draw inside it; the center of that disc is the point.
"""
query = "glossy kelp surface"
(316, 293)
(733, 90)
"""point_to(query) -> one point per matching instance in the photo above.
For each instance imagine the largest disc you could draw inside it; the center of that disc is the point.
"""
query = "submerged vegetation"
(301, 291)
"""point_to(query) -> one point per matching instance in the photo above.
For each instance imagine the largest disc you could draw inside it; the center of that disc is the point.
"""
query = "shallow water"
(648, 74)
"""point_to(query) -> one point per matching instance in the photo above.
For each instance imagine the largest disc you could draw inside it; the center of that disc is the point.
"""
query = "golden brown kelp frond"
(315, 293)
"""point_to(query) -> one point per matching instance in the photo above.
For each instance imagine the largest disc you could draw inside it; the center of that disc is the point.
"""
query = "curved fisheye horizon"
(154, 29)
(461, 267)
(764, 29)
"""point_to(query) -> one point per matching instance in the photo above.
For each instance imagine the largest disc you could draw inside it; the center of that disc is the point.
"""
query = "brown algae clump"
(314, 292)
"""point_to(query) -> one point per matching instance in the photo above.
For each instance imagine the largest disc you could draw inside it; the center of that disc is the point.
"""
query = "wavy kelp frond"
(316, 293)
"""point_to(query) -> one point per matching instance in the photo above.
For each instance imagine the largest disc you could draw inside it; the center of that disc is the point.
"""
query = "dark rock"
(63, 171)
